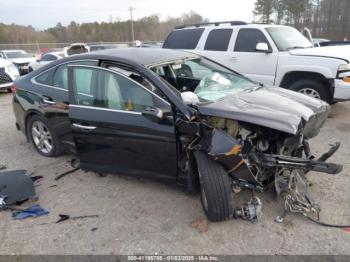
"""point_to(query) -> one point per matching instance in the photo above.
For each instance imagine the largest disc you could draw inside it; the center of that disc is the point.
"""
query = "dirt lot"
(139, 216)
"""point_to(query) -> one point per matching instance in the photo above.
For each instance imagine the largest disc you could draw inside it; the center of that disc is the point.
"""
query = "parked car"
(75, 49)
(19, 58)
(45, 59)
(8, 73)
(325, 42)
(270, 54)
(177, 116)
(97, 47)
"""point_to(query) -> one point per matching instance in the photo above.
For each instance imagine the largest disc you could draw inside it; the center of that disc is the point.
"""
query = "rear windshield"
(183, 39)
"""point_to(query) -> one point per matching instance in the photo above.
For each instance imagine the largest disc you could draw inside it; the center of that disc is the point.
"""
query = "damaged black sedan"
(178, 116)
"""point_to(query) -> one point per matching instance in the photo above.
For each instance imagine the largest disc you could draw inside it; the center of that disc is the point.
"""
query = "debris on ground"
(66, 173)
(94, 229)
(2, 167)
(201, 225)
(16, 186)
(64, 217)
(250, 211)
(34, 211)
(36, 178)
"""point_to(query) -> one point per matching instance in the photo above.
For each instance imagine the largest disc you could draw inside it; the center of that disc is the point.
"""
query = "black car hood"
(271, 107)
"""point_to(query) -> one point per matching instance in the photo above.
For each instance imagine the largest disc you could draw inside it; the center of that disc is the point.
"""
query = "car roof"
(227, 25)
(146, 56)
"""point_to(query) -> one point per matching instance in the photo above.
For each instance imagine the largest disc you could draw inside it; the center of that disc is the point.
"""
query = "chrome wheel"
(42, 137)
(310, 92)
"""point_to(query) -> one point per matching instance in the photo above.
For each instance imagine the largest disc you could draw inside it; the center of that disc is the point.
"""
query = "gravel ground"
(138, 216)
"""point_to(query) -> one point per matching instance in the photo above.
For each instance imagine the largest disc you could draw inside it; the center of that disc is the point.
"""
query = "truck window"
(218, 40)
(247, 39)
(183, 39)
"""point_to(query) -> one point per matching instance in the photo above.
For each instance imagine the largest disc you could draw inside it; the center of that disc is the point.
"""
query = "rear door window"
(60, 78)
(218, 40)
(247, 40)
(183, 39)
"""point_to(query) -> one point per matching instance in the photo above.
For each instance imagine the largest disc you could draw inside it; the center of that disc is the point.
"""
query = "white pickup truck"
(270, 54)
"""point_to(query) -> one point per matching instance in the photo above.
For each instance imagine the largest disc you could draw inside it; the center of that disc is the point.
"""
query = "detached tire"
(43, 137)
(215, 188)
(312, 88)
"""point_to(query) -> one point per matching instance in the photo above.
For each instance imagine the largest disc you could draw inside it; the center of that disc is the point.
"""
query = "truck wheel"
(312, 88)
(215, 188)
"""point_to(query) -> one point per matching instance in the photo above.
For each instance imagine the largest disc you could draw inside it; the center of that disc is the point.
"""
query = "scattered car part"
(250, 211)
(17, 186)
(64, 217)
(65, 174)
(33, 211)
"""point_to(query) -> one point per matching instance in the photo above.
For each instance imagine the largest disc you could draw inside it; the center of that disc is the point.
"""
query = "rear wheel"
(215, 188)
(313, 88)
(43, 137)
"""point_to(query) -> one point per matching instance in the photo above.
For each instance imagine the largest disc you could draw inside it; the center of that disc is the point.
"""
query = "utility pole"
(132, 25)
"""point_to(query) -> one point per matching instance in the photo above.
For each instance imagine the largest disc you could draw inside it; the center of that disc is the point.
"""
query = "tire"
(215, 188)
(51, 137)
(312, 87)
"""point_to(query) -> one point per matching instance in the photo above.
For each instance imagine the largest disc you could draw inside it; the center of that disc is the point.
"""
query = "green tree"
(264, 9)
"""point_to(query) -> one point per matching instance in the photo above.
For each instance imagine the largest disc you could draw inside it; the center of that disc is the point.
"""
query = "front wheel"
(312, 88)
(215, 188)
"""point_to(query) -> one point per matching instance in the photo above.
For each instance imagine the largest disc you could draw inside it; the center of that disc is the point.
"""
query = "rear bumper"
(342, 90)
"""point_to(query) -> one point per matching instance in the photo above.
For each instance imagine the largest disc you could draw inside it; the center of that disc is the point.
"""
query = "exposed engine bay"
(256, 157)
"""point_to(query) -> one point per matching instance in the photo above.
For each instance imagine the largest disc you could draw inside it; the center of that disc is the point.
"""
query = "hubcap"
(310, 92)
(42, 137)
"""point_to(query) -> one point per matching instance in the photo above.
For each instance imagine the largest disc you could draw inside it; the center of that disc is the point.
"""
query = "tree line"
(149, 28)
(325, 18)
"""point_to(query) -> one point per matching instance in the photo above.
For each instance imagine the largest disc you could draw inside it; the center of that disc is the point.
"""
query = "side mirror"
(263, 47)
(153, 113)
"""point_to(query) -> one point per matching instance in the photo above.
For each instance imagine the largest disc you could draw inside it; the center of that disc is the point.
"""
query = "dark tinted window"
(218, 40)
(247, 39)
(45, 78)
(60, 78)
(183, 39)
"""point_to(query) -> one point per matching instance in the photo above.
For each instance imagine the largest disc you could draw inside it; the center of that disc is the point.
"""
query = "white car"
(19, 58)
(45, 59)
(8, 74)
(272, 55)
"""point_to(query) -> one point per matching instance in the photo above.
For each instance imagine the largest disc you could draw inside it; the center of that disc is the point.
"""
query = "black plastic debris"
(64, 217)
(65, 173)
(16, 186)
(2, 167)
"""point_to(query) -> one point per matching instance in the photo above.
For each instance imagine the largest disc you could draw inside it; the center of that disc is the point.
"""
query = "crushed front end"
(257, 156)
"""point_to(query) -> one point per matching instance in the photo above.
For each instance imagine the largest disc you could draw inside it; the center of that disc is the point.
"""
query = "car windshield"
(288, 38)
(17, 54)
(208, 80)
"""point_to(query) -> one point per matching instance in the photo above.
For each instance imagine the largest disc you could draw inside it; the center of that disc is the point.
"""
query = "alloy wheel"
(310, 92)
(42, 137)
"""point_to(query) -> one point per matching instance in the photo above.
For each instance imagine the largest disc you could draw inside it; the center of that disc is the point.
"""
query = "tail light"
(14, 89)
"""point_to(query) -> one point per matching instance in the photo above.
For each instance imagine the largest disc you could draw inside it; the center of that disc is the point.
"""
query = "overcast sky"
(47, 13)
